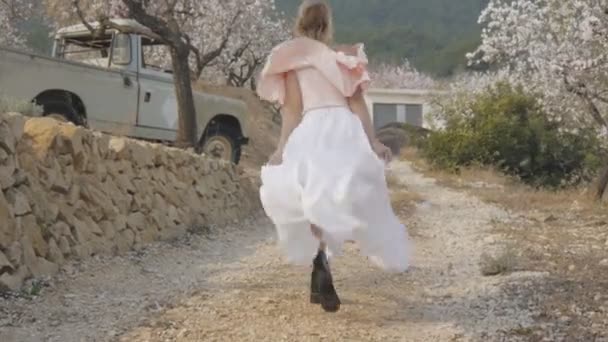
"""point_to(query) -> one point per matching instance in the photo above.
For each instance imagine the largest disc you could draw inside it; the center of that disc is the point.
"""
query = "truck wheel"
(220, 141)
(62, 110)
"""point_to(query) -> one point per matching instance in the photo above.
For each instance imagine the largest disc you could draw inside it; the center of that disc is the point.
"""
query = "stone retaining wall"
(70, 193)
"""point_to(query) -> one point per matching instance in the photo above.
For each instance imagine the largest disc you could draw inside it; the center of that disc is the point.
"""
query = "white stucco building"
(398, 105)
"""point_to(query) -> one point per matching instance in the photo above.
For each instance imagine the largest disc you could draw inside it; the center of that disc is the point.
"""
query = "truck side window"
(121, 49)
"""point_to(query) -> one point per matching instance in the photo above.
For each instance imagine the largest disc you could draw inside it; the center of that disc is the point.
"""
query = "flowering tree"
(556, 48)
(197, 33)
(11, 12)
(230, 38)
(402, 76)
(247, 50)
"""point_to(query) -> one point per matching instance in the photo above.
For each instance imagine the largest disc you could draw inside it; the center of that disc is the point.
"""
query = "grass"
(403, 200)
(563, 234)
(12, 105)
(496, 188)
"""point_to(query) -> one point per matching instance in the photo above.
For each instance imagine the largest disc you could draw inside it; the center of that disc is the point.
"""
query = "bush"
(506, 128)
(398, 135)
(11, 105)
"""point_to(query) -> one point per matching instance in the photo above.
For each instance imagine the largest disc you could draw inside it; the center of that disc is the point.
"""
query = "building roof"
(393, 91)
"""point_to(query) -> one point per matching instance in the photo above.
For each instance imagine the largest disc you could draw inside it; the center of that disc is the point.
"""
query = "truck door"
(158, 104)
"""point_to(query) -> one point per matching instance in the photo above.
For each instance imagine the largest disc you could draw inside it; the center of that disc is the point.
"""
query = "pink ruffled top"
(327, 77)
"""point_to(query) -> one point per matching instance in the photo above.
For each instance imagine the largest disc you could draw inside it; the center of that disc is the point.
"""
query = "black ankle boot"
(322, 289)
(315, 290)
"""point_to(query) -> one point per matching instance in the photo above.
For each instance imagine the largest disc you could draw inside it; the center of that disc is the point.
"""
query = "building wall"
(401, 97)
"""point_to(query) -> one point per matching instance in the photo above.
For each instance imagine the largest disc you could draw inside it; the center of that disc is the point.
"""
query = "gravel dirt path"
(232, 285)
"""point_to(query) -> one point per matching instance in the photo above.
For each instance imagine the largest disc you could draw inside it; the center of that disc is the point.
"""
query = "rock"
(7, 223)
(38, 266)
(43, 133)
(81, 231)
(66, 214)
(44, 209)
(118, 146)
(16, 123)
(109, 232)
(173, 215)
(141, 154)
(64, 245)
(171, 195)
(15, 253)
(5, 265)
(32, 232)
(72, 137)
(550, 218)
(61, 185)
(7, 171)
(604, 263)
(136, 221)
(59, 229)
(7, 138)
(21, 206)
(13, 282)
(55, 253)
(97, 198)
(82, 251)
(124, 241)
(103, 144)
(120, 223)
(124, 183)
(148, 235)
(44, 268)
(20, 178)
(142, 203)
(93, 226)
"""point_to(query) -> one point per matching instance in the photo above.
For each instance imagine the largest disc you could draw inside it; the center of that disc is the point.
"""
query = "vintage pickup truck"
(108, 82)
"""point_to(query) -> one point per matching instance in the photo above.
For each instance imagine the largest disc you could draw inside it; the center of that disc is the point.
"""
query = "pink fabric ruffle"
(345, 68)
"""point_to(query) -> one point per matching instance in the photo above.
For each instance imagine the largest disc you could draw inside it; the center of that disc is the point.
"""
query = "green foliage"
(398, 135)
(433, 34)
(506, 128)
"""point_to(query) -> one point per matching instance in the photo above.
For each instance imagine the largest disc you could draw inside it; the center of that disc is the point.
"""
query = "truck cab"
(125, 87)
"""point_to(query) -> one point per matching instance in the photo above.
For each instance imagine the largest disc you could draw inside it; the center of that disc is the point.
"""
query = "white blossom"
(555, 48)
(11, 13)
(235, 35)
(402, 76)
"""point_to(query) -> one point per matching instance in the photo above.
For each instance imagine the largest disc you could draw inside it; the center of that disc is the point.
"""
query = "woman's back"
(317, 91)
(326, 77)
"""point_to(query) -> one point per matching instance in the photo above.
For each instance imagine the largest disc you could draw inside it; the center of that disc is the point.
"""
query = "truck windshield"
(86, 49)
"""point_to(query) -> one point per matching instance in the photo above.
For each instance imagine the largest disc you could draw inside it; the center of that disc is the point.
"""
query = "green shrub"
(398, 135)
(507, 128)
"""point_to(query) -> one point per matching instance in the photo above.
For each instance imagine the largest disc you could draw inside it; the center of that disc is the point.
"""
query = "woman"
(325, 183)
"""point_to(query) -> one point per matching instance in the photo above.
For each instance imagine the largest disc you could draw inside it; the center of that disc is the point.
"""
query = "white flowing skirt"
(330, 177)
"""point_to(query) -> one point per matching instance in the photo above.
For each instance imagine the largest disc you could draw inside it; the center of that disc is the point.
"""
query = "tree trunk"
(602, 183)
(186, 132)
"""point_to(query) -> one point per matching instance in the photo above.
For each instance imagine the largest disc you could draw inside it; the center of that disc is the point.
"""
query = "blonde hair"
(315, 21)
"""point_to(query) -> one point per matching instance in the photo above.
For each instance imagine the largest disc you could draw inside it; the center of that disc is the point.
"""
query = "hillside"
(433, 34)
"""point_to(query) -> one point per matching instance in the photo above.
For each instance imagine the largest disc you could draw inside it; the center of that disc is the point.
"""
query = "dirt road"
(232, 285)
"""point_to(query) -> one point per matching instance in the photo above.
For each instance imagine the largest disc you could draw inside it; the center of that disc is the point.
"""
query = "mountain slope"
(433, 34)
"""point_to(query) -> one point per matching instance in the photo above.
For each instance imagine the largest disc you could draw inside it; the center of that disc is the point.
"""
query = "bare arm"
(291, 114)
(359, 107)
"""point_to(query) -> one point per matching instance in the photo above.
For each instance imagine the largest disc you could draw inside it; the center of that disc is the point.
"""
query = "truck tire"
(63, 110)
(221, 141)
